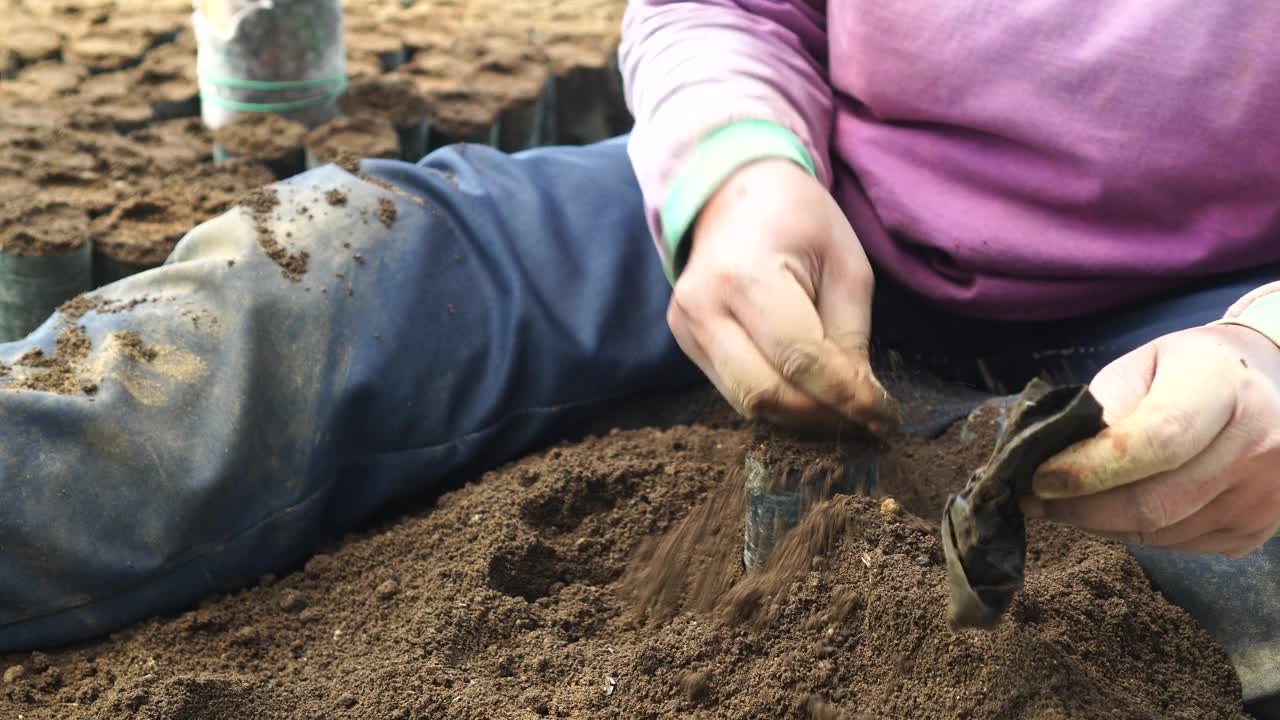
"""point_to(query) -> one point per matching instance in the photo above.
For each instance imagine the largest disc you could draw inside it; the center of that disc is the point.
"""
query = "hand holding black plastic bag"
(983, 530)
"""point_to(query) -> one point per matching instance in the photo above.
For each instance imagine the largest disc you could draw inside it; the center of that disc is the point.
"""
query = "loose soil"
(176, 145)
(42, 228)
(394, 98)
(512, 598)
(363, 136)
(467, 89)
(144, 229)
(263, 137)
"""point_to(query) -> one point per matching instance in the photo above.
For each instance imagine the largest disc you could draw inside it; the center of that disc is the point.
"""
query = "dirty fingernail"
(1032, 508)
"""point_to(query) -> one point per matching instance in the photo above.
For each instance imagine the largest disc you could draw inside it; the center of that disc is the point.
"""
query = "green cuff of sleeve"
(714, 160)
(1262, 315)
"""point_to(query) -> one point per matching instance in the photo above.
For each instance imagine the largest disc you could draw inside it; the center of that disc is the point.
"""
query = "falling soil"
(511, 599)
(261, 205)
(363, 136)
(335, 197)
(262, 137)
(36, 228)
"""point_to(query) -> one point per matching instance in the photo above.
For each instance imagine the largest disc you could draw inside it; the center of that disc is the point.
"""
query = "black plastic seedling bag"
(983, 530)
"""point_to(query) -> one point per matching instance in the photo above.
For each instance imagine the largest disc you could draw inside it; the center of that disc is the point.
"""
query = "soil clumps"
(261, 205)
(508, 599)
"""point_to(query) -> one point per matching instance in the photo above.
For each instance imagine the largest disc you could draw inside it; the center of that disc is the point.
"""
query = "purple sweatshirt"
(1013, 159)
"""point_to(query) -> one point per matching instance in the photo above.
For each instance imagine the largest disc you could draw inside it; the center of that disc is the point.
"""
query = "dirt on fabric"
(386, 212)
(68, 370)
(522, 595)
(261, 205)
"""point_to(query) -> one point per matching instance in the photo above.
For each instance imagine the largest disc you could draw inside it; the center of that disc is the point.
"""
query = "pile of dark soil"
(512, 598)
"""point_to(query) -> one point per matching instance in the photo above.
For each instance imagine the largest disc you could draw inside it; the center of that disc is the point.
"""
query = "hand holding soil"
(774, 303)
(1189, 460)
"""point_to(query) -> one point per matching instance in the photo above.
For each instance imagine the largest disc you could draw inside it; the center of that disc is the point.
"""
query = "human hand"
(774, 302)
(1190, 460)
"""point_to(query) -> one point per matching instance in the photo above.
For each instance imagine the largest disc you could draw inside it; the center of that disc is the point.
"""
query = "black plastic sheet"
(983, 529)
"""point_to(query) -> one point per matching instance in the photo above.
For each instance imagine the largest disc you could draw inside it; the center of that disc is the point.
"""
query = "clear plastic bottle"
(280, 56)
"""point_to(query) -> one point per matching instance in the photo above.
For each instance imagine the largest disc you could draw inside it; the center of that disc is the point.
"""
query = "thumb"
(1177, 415)
(1120, 386)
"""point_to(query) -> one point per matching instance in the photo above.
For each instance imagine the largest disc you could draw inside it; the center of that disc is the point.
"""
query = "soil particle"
(261, 205)
(41, 228)
(335, 197)
(386, 211)
(511, 604)
(261, 136)
(363, 136)
(13, 672)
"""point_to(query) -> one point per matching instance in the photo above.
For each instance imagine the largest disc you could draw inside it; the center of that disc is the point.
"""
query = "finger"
(1232, 543)
(781, 319)
(844, 309)
(1157, 503)
(743, 376)
(1179, 416)
(1121, 385)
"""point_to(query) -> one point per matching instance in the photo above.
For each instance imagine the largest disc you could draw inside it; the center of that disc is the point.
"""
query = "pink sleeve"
(695, 66)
